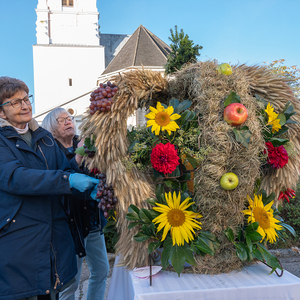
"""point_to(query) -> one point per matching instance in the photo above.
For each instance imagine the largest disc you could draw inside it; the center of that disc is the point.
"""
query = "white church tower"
(68, 57)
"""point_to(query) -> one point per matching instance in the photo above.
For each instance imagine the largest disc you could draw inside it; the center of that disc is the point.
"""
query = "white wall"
(55, 65)
(77, 25)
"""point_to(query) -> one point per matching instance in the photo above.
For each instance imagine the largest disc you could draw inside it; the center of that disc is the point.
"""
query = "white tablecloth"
(252, 283)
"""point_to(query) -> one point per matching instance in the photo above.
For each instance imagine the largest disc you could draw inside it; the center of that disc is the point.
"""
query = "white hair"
(50, 121)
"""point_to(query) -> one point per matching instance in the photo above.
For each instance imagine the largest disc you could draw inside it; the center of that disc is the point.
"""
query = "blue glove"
(82, 182)
(94, 193)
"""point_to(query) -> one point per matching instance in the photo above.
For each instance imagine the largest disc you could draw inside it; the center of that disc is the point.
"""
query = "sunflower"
(272, 118)
(264, 216)
(162, 119)
(174, 216)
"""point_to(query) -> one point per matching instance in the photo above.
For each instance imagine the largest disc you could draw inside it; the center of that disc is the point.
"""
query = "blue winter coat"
(36, 246)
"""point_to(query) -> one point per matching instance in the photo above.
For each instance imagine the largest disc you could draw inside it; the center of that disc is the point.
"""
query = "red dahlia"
(164, 158)
(277, 156)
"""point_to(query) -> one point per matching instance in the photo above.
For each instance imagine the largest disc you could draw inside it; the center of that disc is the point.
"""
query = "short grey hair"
(50, 123)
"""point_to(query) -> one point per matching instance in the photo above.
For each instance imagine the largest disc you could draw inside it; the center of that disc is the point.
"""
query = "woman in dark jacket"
(37, 255)
(85, 218)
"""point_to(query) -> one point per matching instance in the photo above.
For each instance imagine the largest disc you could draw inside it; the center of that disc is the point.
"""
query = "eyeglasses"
(16, 103)
(62, 120)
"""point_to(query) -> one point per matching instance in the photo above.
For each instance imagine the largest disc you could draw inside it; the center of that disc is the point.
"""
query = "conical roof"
(143, 48)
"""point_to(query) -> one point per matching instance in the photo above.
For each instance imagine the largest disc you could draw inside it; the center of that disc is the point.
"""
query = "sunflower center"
(162, 118)
(176, 217)
(261, 217)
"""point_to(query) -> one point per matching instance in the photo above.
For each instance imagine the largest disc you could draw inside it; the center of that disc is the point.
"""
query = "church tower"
(68, 56)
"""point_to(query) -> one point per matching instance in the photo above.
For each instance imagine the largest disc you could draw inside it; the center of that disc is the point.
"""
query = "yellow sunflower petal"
(175, 117)
(166, 230)
(154, 110)
(159, 107)
(150, 115)
(169, 110)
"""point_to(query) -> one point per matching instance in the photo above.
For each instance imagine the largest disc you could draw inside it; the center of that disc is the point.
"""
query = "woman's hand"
(82, 182)
(78, 157)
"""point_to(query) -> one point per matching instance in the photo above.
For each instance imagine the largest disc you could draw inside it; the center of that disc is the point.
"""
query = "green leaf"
(80, 151)
(184, 117)
(281, 131)
(254, 236)
(174, 103)
(257, 253)
(160, 192)
(153, 246)
(178, 255)
(229, 234)
(249, 243)
(131, 146)
(166, 253)
(261, 100)
(133, 208)
(141, 237)
(211, 237)
(276, 142)
(240, 251)
(147, 230)
(282, 119)
(205, 245)
(90, 144)
(110, 226)
(289, 228)
(289, 121)
(145, 216)
(171, 184)
(175, 173)
(288, 108)
(152, 201)
(158, 174)
(252, 227)
(191, 160)
(243, 135)
(183, 106)
(132, 217)
(133, 224)
(269, 258)
(233, 97)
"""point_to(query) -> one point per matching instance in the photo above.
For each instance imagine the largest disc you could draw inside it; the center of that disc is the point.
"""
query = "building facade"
(71, 57)
(68, 56)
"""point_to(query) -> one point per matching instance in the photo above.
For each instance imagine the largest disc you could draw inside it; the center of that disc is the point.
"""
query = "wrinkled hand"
(82, 182)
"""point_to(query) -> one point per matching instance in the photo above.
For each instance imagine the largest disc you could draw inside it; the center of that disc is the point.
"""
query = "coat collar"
(33, 124)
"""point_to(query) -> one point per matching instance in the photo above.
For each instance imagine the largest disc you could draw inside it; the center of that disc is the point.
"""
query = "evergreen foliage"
(183, 51)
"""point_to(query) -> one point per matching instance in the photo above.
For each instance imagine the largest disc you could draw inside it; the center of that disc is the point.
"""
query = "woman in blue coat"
(37, 255)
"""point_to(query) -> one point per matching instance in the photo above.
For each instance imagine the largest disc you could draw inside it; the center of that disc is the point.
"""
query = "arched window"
(67, 3)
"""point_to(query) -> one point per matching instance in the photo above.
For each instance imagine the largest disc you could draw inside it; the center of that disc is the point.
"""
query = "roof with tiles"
(142, 49)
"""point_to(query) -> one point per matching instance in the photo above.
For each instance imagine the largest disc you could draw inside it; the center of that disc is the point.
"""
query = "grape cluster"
(89, 153)
(102, 98)
(105, 194)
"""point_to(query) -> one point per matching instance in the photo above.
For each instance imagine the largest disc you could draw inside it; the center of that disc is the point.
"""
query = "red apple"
(235, 114)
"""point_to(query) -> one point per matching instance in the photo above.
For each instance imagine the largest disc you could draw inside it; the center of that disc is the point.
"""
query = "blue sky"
(233, 31)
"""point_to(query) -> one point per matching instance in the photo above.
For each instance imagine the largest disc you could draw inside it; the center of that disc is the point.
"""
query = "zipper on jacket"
(43, 156)
(57, 281)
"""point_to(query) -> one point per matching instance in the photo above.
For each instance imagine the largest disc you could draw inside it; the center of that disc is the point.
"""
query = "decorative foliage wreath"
(186, 142)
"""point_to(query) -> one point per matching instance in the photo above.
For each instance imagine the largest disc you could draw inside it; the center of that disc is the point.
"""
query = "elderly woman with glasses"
(36, 249)
(85, 218)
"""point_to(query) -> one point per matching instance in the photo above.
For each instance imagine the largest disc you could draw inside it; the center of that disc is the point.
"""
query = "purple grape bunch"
(105, 195)
(89, 153)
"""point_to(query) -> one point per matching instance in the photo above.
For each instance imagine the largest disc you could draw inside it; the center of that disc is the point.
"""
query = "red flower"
(277, 156)
(164, 158)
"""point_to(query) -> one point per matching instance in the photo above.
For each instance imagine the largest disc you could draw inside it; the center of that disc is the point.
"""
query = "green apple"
(224, 69)
(229, 181)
